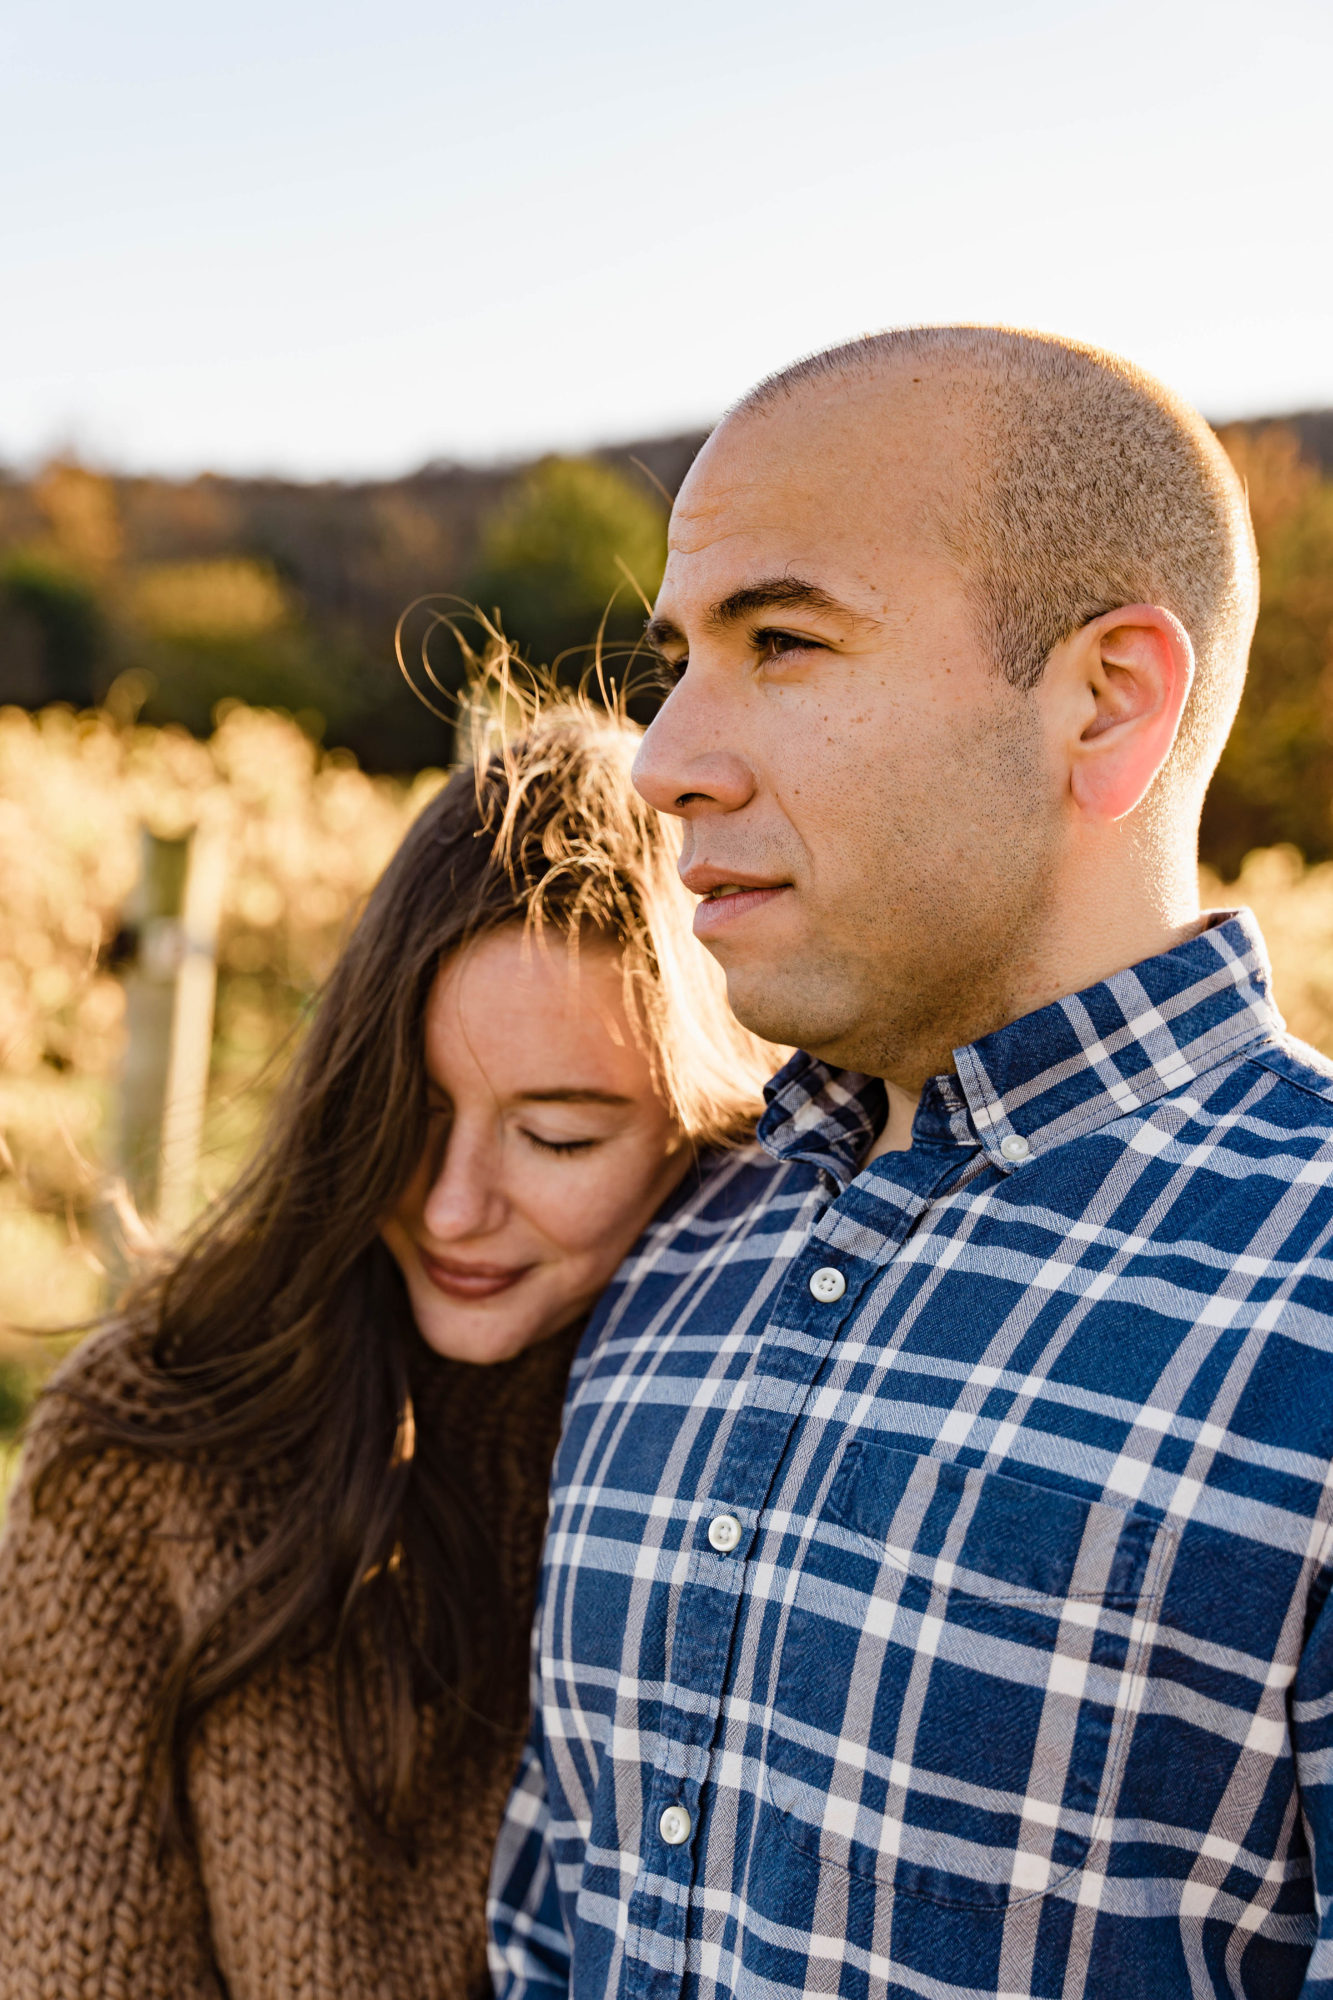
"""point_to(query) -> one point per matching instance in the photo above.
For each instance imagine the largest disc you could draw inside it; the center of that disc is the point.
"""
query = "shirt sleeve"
(1312, 1745)
(529, 1947)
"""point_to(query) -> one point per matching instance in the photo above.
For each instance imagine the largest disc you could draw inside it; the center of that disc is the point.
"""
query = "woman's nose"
(465, 1198)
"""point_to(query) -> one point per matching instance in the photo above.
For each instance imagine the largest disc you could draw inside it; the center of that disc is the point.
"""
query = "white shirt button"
(724, 1531)
(674, 1825)
(827, 1285)
(1014, 1146)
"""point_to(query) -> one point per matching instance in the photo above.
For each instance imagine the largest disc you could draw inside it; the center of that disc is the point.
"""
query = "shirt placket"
(818, 1297)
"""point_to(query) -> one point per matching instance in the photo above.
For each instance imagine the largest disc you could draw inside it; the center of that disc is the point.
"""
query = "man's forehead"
(731, 548)
(841, 468)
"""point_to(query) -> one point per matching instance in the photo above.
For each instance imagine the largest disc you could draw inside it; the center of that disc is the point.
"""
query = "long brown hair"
(276, 1347)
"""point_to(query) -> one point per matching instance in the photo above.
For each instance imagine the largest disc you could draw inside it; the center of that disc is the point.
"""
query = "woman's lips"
(470, 1281)
(716, 912)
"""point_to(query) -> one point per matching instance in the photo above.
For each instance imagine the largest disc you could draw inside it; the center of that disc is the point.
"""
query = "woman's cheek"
(578, 1214)
(598, 1208)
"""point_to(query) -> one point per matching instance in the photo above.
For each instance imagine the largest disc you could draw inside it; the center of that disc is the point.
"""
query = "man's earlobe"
(1130, 673)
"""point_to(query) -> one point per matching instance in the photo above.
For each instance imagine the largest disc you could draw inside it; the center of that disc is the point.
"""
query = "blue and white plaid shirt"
(934, 1602)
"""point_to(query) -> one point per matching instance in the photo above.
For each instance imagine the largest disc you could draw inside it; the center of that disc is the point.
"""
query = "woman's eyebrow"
(572, 1096)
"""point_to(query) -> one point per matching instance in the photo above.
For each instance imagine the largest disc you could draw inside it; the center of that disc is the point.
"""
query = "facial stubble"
(929, 936)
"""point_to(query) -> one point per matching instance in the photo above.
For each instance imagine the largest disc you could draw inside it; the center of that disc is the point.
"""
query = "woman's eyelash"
(558, 1145)
(436, 1112)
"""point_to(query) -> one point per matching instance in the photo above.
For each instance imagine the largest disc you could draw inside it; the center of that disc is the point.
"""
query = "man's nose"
(685, 765)
(465, 1198)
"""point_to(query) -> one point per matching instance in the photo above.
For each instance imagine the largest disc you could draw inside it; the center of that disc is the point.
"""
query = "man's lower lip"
(716, 911)
(466, 1285)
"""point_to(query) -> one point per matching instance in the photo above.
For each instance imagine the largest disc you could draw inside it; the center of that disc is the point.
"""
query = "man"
(935, 1593)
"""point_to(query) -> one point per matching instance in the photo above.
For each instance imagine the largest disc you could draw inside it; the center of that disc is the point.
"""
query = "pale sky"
(344, 239)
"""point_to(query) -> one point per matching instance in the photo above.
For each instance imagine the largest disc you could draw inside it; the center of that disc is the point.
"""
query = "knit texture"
(284, 1898)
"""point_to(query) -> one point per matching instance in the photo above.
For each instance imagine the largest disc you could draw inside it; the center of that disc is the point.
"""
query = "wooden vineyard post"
(186, 1093)
(171, 931)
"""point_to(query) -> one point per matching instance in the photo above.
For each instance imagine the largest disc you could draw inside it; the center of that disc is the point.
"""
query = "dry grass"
(1294, 905)
(309, 834)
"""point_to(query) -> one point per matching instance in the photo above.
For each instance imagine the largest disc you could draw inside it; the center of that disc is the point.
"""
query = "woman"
(266, 1587)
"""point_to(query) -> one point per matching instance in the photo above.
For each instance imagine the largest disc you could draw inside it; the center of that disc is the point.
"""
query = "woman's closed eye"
(557, 1145)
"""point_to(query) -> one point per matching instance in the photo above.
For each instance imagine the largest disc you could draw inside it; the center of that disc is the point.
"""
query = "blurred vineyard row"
(286, 596)
(307, 835)
(157, 640)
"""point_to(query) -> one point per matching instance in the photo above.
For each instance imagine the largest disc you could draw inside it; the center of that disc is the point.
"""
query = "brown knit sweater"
(284, 1899)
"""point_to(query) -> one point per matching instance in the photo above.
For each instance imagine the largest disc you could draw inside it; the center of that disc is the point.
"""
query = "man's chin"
(764, 1000)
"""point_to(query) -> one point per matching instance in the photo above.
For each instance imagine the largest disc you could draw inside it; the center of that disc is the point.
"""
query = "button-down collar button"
(1014, 1146)
(674, 1826)
(827, 1285)
(724, 1531)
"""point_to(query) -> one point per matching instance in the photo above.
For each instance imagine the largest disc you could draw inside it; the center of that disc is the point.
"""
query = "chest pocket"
(955, 1677)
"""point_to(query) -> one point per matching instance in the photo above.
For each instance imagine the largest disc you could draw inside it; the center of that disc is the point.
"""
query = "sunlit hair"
(1089, 485)
(578, 851)
(275, 1353)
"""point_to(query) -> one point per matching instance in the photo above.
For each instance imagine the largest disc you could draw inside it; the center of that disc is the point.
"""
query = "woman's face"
(549, 1147)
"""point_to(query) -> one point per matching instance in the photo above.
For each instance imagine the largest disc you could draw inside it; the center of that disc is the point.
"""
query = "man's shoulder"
(1259, 1127)
(722, 1186)
(729, 1197)
(731, 1210)
(1306, 1071)
(1278, 1111)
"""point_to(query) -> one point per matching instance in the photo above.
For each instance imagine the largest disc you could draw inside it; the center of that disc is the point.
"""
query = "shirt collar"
(1054, 1074)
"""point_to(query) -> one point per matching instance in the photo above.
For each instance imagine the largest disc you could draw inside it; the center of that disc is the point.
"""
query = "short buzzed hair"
(1093, 486)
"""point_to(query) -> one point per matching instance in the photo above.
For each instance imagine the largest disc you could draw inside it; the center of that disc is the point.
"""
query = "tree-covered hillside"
(177, 595)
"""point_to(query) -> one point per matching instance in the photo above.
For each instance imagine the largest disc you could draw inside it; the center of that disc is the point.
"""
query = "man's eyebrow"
(767, 593)
(573, 1097)
(772, 593)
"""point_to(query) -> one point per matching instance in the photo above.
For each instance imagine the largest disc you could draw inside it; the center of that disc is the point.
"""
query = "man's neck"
(896, 1132)
(1051, 978)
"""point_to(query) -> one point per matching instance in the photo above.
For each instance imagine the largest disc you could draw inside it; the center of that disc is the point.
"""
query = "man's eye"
(668, 673)
(777, 645)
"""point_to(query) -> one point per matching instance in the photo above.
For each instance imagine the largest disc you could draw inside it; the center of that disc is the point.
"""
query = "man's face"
(840, 746)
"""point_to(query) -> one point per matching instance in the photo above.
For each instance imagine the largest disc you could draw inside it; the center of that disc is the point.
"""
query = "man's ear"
(1116, 689)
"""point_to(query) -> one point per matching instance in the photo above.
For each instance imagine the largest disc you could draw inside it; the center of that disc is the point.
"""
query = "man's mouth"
(726, 903)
